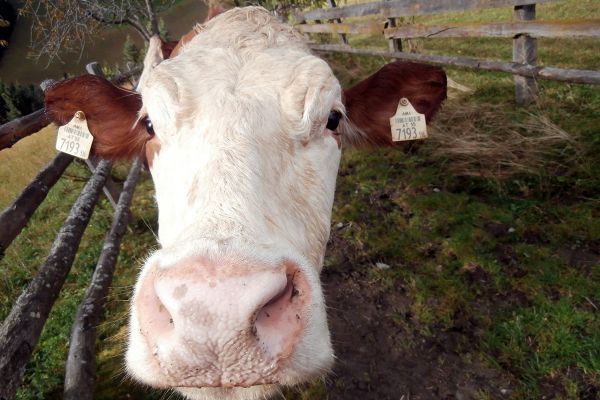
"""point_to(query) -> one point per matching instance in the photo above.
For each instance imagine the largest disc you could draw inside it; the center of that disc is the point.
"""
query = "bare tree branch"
(61, 26)
(139, 28)
(152, 17)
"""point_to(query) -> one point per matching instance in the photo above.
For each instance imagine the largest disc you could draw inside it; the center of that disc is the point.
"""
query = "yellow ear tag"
(75, 138)
(407, 123)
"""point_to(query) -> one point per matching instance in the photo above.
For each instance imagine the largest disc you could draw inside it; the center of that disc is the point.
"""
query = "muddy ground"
(381, 355)
(384, 353)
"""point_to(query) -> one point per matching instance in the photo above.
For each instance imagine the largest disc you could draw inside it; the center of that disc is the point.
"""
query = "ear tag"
(407, 123)
(75, 138)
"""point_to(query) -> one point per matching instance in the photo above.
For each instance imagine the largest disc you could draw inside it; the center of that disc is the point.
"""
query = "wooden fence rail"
(15, 130)
(524, 30)
(81, 362)
(16, 216)
(21, 330)
(409, 8)
(548, 29)
(557, 74)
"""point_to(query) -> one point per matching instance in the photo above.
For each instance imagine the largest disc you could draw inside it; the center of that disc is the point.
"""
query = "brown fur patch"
(184, 39)
(167, 48)
(176, 49)
(111, 113)
(371, 103)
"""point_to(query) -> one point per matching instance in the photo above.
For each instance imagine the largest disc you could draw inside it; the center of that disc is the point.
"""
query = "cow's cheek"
(151, 149)
(333, 135)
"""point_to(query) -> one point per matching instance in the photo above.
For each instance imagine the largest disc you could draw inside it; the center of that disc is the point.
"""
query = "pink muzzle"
(221, 324)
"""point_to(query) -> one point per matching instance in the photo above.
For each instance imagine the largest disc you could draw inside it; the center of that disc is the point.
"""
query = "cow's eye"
(334, 120)
(149, 126)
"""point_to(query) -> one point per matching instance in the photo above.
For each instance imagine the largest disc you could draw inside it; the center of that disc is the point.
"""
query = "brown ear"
(371, 103)
(167, 48)
(217, 10)
(184, 39)
(111, 113)
(170, 50)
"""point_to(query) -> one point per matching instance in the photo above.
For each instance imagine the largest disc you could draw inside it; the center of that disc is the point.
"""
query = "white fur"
(244, 169)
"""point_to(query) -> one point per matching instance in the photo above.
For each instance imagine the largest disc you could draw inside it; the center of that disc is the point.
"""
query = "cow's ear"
(167, 48)
(111, 114)
(154, 56)
(371, 103)
(172, 49)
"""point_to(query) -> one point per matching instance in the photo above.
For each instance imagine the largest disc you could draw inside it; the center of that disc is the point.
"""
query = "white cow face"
(239, 128)
(245, 176)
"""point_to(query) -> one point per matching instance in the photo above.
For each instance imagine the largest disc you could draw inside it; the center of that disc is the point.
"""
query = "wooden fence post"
(525, 52)
(395, 44)
(111, 190)
(343, 37)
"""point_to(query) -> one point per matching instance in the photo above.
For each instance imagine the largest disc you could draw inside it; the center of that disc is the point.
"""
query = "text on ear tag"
(407, 123)
(75, 138)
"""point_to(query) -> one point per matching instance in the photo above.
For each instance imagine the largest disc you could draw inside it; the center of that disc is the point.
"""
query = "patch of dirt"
(509, 259)
(382, 354)
(582, 257)
(497, 229)
(533, 236)
(475, 274)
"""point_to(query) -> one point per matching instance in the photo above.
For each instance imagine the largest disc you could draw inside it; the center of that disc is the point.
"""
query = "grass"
(20, 163)
(516, 255)
(535, 310)
(546, 337)
(46, 369)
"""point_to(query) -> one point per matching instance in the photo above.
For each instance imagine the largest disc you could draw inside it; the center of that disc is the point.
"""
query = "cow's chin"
(251, 393)
(311, 358)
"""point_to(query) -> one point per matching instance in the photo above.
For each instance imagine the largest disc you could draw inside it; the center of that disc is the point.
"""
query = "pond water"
(15, 66)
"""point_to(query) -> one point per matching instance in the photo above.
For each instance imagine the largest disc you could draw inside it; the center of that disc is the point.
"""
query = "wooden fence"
(20, 331)
(380, 18)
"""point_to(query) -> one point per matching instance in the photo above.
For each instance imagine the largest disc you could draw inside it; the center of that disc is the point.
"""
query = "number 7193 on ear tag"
(407, 123)
(75, 138)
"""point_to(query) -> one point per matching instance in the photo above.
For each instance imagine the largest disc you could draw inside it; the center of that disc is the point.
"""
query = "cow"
(242, 127)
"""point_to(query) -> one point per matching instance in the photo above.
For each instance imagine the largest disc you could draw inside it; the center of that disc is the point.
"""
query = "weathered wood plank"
(81, 363)
(525, 52)
(394, 44)
(555, 74)
(111, 190)
(569, 75)
(342, 36)
(20, 331)
(547, 29)
(15, 130)
(343, 28)
(16, 216)
(405, 8)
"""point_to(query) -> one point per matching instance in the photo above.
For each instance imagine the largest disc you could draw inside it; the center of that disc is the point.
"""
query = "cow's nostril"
(286, 293)
(279, 322)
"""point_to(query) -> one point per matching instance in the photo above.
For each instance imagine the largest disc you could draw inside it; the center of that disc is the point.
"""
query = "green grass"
(46, 369)
(537, 314)
(546, 324)
(20, 163)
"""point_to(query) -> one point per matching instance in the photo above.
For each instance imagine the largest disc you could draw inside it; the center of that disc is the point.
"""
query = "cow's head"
(240, 129)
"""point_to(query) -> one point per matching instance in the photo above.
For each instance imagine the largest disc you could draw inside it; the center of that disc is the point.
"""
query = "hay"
(484, 140)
